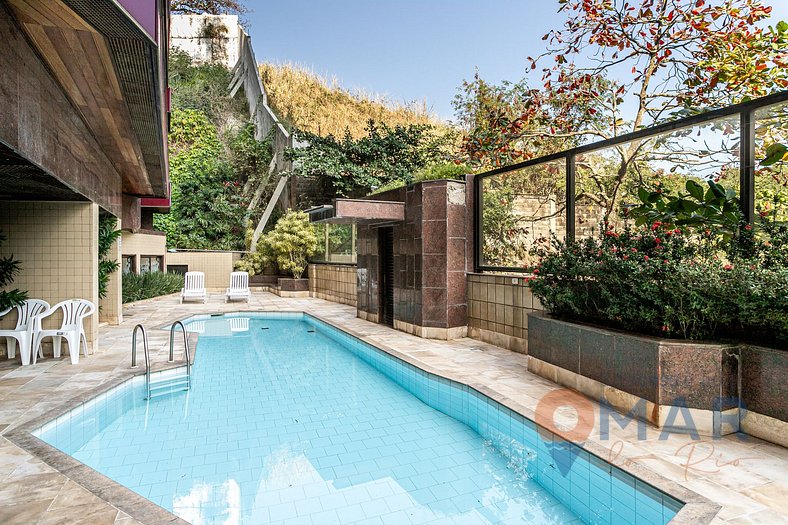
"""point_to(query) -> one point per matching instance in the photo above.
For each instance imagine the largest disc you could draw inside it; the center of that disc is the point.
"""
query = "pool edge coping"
(697, 509)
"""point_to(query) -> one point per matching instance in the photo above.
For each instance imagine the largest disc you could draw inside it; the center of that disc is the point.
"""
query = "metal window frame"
(747, 161)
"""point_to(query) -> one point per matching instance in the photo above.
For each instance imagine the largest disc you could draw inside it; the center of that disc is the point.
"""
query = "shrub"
(262, 261)
(107, 235)
(291, 242)
(443, 170)
(137, 287)
(658, 280)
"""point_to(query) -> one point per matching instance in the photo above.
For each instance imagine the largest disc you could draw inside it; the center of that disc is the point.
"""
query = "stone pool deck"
(740, 478)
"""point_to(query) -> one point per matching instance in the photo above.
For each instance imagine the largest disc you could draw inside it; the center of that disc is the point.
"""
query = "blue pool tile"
(338, 441)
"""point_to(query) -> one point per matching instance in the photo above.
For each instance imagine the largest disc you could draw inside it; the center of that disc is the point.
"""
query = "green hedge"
(661, 281)
(137, 287)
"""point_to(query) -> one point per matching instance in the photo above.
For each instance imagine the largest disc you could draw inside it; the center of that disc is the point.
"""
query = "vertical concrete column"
(112, 305)
(57, 245)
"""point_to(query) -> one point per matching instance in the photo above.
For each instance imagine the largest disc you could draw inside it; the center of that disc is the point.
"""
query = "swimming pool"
(290, 420)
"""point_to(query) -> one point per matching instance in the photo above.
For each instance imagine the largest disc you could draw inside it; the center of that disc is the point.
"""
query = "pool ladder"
(170, 384)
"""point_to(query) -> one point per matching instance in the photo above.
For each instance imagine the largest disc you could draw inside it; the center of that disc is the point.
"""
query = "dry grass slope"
(306, 101)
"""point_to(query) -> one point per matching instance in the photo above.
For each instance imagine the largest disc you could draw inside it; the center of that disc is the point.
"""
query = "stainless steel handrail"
(185, 349)
(147, 355)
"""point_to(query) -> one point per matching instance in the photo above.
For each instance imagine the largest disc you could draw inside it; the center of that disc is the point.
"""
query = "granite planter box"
(264, 280)
(764, 386)
(287, 284)
(659, 380)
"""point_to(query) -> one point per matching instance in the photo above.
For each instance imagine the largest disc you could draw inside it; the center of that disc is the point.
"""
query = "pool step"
(169, 385)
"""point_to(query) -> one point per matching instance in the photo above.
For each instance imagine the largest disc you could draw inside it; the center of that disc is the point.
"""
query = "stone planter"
(764, 393)
(287, 284)
(263, 280)
(660, 380)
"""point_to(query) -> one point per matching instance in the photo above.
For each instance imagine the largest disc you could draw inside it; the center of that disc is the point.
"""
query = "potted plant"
(291, 242)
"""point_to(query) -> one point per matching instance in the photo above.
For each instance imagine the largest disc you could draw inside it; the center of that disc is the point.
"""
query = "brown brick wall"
(333, 282)
(498, 307)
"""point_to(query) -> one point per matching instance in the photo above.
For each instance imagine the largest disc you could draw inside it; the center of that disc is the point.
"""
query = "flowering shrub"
(660, 280)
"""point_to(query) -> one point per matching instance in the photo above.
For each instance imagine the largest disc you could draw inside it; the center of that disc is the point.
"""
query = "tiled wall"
(144, 243)
(498, 307)
(333, 282)
(217, 266)
(57, 244)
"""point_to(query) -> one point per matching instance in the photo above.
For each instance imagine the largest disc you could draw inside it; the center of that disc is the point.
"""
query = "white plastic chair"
(239, 324)
(23, 333)
(239, 287)
(194, 287)
(74, 313)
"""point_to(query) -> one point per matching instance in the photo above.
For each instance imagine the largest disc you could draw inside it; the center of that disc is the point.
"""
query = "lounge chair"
(194, 287)
(23, 333)
(239, 287)
(74, 313)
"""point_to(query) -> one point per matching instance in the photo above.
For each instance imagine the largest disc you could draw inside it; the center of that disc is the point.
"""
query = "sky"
(409, 49)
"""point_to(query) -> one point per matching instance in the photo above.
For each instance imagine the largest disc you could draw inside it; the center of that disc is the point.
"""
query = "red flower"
(645, 257)
(727, 267)
(634, 250)
(665, 328)
(657, 240)
(536, 271)
(656, 225)
(748, 227)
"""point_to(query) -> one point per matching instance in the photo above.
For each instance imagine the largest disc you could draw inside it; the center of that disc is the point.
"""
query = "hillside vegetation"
(308, 102)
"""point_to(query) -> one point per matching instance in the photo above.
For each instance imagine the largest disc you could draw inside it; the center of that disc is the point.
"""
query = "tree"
(676, 55)
(8, 268)
(292, 241)
(210, 7)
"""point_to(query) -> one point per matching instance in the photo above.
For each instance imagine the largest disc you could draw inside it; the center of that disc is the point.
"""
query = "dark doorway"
(386, 257)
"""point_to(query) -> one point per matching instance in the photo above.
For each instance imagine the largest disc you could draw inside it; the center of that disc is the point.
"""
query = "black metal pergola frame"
(747, 163)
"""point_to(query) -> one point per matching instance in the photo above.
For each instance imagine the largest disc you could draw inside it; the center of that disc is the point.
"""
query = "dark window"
(180, 269)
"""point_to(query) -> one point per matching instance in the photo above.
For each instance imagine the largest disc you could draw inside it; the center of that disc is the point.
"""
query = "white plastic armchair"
(239, 287)
(23, 333)
(194, 287)
(74, 313)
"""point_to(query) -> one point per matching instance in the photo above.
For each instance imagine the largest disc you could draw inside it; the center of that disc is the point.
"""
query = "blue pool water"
(290, 420)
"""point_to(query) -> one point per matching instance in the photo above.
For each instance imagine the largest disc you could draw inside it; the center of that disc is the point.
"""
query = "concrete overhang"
(110, 60)
(358, 211)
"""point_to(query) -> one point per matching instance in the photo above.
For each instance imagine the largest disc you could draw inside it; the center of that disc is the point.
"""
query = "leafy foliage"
(137, 287)
(107, 235)
(659, 279)
(219, 170)
(291, 242)
(714, 209)
(262, 261)
(8, 268)
(439, 171)
(385, 154)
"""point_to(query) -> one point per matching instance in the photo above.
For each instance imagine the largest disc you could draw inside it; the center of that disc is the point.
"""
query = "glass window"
(150, 263)
(128, 264)
(336, 243)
